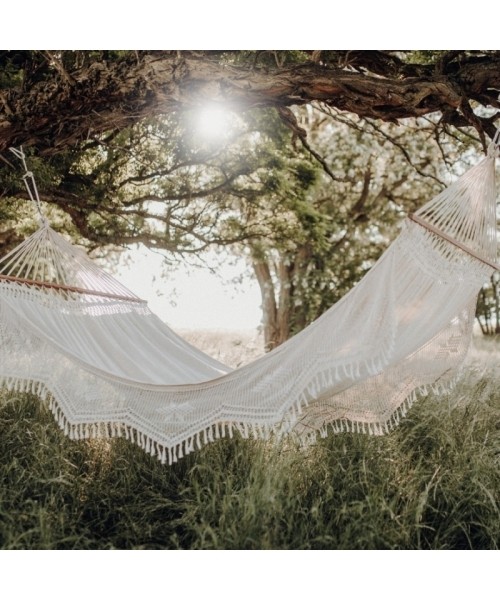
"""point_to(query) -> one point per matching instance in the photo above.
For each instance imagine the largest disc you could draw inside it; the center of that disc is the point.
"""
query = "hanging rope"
(30, 184)
(494, 146)
(47, 261)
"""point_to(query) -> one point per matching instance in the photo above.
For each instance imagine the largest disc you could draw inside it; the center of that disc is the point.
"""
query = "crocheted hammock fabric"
(108, 366)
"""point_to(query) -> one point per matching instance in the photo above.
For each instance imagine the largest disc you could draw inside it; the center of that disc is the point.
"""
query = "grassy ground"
(432, 483)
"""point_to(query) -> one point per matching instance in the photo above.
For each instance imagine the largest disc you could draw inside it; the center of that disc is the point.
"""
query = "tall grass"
(433, 483)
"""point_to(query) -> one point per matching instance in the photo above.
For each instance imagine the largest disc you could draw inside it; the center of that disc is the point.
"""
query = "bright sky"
(194, 298)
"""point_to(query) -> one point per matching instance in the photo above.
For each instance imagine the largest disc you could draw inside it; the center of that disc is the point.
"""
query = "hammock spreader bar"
(426, 225)
(68, 288)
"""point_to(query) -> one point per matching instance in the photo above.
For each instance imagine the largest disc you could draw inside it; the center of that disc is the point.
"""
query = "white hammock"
(109, 367)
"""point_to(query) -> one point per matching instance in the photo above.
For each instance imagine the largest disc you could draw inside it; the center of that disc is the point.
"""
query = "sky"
(194, 297)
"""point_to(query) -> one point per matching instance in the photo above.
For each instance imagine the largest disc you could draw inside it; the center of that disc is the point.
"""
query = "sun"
(213, 122)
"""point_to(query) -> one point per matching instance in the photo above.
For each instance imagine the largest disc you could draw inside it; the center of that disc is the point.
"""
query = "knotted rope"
(30, 184)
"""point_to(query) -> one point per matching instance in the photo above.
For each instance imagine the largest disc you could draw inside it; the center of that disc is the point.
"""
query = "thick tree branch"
(67, 106)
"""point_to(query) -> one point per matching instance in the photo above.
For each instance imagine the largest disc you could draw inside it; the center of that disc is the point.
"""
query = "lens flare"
(213, 123)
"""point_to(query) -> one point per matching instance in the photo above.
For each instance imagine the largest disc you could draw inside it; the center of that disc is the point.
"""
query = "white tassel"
(356, 371)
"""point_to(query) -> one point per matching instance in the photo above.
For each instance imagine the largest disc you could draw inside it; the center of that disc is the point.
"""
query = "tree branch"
(290, 121)
(105, 95)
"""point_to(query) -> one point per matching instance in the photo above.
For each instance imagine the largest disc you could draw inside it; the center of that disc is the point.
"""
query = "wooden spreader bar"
(68, 288)
(423, 223)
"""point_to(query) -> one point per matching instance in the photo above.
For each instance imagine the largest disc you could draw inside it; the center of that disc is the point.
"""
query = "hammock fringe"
(219, 430)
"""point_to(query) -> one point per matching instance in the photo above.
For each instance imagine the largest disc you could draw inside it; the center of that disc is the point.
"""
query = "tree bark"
(64, 108)
(283, 313)
(280, 316)
(269, 307)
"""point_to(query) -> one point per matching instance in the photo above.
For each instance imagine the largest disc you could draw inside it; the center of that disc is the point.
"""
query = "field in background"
(233, 348)
(432, 483)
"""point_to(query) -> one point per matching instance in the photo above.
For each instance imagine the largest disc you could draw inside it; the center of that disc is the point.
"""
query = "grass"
(434, 483)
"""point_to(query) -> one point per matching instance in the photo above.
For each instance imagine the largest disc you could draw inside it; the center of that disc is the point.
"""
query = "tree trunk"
(276, 302)
(283, 316)
(269, 307)
(484, 331)
(496, 295)
(486, 328)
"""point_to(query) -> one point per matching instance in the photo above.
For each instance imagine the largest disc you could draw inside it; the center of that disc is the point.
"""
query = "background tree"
(488, 307)
(333, 225)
